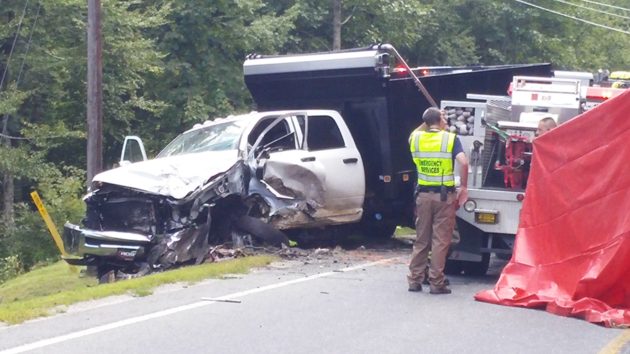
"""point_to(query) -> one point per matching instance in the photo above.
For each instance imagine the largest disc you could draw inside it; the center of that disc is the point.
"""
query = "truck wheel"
(477, 268)
(261, 230)
(378, 230)
(106, 274)
(453, 267)
(480, 268)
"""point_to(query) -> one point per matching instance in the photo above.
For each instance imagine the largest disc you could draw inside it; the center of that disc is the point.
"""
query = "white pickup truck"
(284, 169)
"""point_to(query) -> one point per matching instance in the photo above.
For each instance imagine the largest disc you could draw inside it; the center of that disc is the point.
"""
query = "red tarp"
(572, 251)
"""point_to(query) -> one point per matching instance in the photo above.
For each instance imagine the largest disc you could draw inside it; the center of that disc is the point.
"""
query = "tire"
(378, 230)
(477, 268)
(261, 230)
(106, 274)
(471, 240)
(453, 267)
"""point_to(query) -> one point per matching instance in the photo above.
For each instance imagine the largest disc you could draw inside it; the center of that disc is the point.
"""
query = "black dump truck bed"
(381, 107)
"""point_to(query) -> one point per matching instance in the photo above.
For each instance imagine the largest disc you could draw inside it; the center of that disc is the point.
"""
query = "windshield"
(217, 137)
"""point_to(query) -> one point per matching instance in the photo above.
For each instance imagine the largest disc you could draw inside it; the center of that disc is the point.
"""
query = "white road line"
(107, 327)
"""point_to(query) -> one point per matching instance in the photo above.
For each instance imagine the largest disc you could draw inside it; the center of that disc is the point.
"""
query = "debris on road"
(221, 300)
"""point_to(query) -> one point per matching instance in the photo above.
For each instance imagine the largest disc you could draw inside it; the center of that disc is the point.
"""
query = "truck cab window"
(323, 133)
(279, 138)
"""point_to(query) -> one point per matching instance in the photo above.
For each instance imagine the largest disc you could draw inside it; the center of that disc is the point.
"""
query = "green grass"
(41, 292)
(404, 231)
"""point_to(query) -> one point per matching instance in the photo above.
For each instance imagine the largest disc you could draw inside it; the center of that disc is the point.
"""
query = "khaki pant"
(435, 221)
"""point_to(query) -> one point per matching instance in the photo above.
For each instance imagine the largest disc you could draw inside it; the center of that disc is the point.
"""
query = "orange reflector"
(387, 178)
(405, 177)
(482, 217)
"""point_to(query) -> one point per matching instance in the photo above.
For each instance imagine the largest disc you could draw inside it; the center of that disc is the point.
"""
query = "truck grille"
(129, 216)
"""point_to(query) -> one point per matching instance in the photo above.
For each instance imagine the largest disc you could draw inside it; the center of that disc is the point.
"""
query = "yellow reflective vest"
(432, 153)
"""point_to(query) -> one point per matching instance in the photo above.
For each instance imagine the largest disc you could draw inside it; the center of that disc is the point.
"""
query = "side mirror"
(132, 151)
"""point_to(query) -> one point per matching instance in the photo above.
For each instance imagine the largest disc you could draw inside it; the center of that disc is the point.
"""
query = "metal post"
(94, 91)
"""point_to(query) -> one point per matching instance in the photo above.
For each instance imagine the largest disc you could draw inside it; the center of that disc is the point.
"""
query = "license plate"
(486, 218)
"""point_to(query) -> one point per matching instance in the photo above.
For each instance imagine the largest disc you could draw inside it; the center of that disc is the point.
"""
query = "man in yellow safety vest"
(434, 152)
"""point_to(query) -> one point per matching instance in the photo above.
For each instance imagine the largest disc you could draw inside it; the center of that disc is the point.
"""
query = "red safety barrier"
(572, 251)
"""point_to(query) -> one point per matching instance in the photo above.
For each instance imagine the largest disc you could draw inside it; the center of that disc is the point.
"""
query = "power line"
(17, 34)
(593, 9)
(28, 44)
(606, 5)
(573, 17)
(5, 119)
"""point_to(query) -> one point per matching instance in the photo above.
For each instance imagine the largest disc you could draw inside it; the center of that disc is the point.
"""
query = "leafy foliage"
(10, 267)
(29, 238)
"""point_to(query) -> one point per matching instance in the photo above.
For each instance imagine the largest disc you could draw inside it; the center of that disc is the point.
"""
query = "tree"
(10, 100)
(336, 23)
(47, 113)
(205, 43)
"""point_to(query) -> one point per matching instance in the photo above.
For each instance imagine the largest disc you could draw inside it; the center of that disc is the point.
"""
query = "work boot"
(415, 288)
(426, 281)
(439, 290)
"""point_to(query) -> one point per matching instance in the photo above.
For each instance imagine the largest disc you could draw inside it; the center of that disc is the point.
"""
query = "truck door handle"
(351, 160)
(308, 159)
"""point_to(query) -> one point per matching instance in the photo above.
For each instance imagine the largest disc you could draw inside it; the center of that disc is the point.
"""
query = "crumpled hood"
(174, 176)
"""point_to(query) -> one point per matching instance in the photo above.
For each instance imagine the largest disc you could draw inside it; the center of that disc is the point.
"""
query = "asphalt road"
(352, 303)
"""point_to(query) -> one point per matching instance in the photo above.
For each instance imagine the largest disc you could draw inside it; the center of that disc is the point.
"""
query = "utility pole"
(336, 4)
(94, 91)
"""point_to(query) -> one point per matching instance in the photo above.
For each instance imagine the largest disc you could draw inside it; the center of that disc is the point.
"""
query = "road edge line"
(617, 344)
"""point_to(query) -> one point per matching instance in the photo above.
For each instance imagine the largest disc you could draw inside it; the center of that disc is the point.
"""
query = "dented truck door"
(318, 165)
(328, 145)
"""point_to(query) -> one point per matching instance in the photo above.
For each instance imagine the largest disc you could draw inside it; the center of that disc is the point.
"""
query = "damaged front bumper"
(88, 244)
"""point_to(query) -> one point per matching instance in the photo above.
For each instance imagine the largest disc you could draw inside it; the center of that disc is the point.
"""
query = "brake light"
(399, 70)
(603, 96)
(602, 93)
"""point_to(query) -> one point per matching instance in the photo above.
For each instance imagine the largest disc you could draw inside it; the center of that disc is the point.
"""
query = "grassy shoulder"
(38, 293)
(404, 231)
